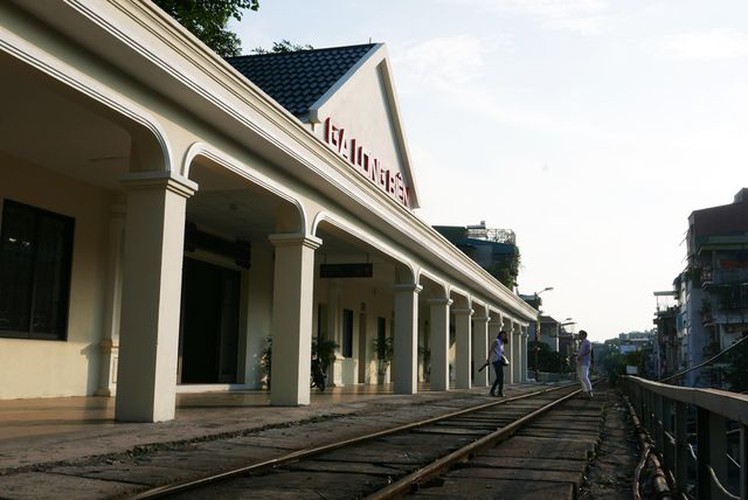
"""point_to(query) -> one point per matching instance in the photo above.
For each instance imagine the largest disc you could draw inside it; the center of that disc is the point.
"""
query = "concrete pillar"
(463, 351)
(335, 332)
(405, 339)
(109, 345)
(151, 295)
(439, 343)
(517, 367)
(480, 350)
(523, 344)
(258, 289)
(293, 300)
(506, 325)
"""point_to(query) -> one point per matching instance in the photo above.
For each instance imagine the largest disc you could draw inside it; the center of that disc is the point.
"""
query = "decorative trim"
(463, 312)
(159, 179)
(295, 239)
(407, 287)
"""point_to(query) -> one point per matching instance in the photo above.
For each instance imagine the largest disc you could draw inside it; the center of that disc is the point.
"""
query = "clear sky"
(592, 128)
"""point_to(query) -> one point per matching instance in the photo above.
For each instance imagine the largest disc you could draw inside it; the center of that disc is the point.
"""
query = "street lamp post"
(567, 321)
(537, 332)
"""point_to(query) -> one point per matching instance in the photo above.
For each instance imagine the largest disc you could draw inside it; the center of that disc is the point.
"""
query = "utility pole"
(537, 332)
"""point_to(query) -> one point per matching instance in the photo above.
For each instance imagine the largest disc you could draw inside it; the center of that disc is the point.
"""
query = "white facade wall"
(367, 303)
(47, 368)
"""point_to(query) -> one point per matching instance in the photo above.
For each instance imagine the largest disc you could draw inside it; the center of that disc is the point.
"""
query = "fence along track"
(362, 465)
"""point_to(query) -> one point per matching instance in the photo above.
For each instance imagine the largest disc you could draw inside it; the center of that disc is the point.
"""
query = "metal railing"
(701, 436)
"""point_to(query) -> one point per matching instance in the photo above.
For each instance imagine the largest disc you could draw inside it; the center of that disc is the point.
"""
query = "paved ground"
(37, 435)
(38, 431)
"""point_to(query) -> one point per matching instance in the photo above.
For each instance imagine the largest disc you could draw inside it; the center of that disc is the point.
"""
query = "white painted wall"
(42, 368)
(361, 107)
(340, 294)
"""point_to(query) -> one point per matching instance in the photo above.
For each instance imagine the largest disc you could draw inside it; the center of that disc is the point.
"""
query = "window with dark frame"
(381, 338)
(36, 248)
(347, 349)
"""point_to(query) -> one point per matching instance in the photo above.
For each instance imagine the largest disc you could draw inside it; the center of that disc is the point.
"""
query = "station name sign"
(366, 164)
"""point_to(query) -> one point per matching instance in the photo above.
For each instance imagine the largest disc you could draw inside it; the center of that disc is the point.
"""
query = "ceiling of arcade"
(39, 123)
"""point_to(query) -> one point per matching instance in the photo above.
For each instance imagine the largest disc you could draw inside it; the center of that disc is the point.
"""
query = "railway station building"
(165, 212)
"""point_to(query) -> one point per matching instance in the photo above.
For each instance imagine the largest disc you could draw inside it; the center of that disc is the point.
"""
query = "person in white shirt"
(496, 358)
(584, 359)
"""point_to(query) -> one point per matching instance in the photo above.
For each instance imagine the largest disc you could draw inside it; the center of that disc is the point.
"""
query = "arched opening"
(227, 288)
(354, 280)
(63, 154)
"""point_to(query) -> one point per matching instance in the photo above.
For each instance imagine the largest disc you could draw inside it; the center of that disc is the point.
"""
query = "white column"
(463, 354)
(439, 343)
(405, 339)
(109, 345)
(506, 325)
(335, 327)
(480, 350)
(523, 343)
(291, 327)
(516, 353)
(258, 290)
(151, 296)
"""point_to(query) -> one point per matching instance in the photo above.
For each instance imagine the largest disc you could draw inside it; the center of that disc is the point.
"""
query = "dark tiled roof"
(296, 80)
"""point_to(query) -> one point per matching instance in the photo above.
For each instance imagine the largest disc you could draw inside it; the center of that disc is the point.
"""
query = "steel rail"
(401, 486)
(295, 456)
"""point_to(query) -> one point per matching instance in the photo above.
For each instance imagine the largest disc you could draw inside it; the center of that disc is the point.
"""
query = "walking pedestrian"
(496, 358)
(584, 358)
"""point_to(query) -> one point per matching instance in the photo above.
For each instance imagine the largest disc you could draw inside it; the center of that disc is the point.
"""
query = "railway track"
(529, 446)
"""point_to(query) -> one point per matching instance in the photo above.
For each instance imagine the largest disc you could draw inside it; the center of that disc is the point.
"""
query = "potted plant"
(425, 354)
(384, 350)
(324, 350)
(265, 359)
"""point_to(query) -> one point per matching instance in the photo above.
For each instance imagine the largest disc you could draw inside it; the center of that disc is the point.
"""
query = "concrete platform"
(50, 430)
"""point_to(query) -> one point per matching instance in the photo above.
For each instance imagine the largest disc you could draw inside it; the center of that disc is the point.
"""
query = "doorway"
(209, 329)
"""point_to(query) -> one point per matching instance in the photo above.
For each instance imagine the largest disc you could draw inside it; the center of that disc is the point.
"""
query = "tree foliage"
(324, 350)
(282, 47)
(207, 20)
(506, 269)
(547, 359)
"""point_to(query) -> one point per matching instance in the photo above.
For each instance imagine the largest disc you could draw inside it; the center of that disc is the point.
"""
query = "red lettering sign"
(366, 164)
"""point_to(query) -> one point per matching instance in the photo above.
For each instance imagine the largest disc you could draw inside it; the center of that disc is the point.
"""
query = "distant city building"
(636, 341)
(712, 292)
(495, 250)
(644, 342)
(566, 342)
(668, 358)
(549, 331)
